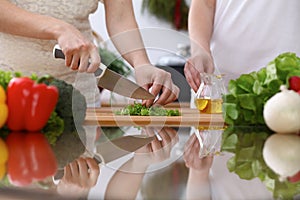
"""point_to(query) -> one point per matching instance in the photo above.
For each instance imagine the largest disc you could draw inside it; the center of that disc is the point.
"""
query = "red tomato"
(295, 178)
(294, 82)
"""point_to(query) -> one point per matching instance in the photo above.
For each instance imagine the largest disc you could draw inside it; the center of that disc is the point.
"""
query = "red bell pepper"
(30, 158)
(29, 104)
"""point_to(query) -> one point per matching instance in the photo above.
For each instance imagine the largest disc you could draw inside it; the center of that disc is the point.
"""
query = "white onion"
(282, 112)
(281, 154)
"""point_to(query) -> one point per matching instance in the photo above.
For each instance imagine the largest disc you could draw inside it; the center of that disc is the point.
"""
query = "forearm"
(126, 182)
(17, 21)
(201, 20)
(123, 30)
(198, 186)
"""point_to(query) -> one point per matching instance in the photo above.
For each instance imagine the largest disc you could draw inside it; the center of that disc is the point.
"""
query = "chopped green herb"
(142, 110)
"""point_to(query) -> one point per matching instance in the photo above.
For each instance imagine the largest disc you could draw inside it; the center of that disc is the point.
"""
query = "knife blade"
(113, 81)
(113, 149)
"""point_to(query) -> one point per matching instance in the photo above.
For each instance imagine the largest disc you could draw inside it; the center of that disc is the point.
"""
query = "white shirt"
(250, 33)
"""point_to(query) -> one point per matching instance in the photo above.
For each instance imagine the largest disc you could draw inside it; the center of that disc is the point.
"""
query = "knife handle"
(58, 53)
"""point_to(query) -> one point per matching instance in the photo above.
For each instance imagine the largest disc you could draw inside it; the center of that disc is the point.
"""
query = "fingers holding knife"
(84, 58)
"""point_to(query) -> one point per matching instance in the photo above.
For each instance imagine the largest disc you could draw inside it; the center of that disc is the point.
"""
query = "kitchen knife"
(113, 81)
(113, 149)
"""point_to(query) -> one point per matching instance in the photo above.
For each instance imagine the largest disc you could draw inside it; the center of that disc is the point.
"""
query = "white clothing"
(35, 56)
(249, 34)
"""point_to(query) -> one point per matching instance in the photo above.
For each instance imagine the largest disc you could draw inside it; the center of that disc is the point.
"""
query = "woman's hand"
(158, 80)
(79, 177)
(80, 53)
(201, 61)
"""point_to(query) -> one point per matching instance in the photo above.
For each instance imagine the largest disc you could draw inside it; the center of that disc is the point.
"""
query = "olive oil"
(209, 106)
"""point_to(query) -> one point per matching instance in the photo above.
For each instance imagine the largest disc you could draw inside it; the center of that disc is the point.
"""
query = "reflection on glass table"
(177, 164)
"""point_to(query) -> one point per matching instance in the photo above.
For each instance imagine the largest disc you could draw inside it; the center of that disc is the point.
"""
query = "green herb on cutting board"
(141, 110)
(244, 103)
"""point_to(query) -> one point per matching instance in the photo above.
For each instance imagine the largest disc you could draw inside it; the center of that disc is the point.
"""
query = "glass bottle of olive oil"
(209, 106)
(208, 98)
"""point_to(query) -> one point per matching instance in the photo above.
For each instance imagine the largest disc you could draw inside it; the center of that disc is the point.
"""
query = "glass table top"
(176, 163)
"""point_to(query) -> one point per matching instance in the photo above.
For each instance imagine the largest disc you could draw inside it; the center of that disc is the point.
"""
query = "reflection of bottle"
(209, 141)
(209, 95)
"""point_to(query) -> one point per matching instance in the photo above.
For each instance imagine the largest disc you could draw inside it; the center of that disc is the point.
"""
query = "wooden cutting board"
(105, 116)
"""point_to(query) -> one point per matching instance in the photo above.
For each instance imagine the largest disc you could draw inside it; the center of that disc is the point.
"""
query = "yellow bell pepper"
(3, 107)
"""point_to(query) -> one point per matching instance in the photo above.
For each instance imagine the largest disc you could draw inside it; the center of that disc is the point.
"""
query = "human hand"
(201, 61)
(79, 176)
(160, 148)
(158, 80)
(80, 53)
(192, 159)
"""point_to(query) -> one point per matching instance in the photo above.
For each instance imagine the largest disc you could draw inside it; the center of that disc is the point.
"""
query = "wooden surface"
(105, 116)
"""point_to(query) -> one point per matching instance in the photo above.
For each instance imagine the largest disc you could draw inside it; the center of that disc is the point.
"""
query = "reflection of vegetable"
(295, 178)
(139, 109)
(29, 104)
(3, 107)
(30, 158)
(247, 94)
(248, 163)
(281, 154)
(282, 111)
(3, 158)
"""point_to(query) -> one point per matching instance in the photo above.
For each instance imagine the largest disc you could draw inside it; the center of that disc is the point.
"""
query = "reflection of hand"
(78, 49)
(157, 151)
(191, 156)
(79, 177)
(149, 76)
(201, 61)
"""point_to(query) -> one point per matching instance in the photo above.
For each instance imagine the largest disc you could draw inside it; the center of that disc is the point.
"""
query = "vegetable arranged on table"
(282, 111)
(3, 107)
(71, 105)
(244, 103)
(30, 104)
(67, 111)
(35, 113)
(141, 110)
(30, 158)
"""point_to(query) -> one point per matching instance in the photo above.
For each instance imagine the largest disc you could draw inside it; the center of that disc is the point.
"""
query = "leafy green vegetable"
(246, 143)
(6, 76)
(142, 110)
(244, 103)
(54, 128)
